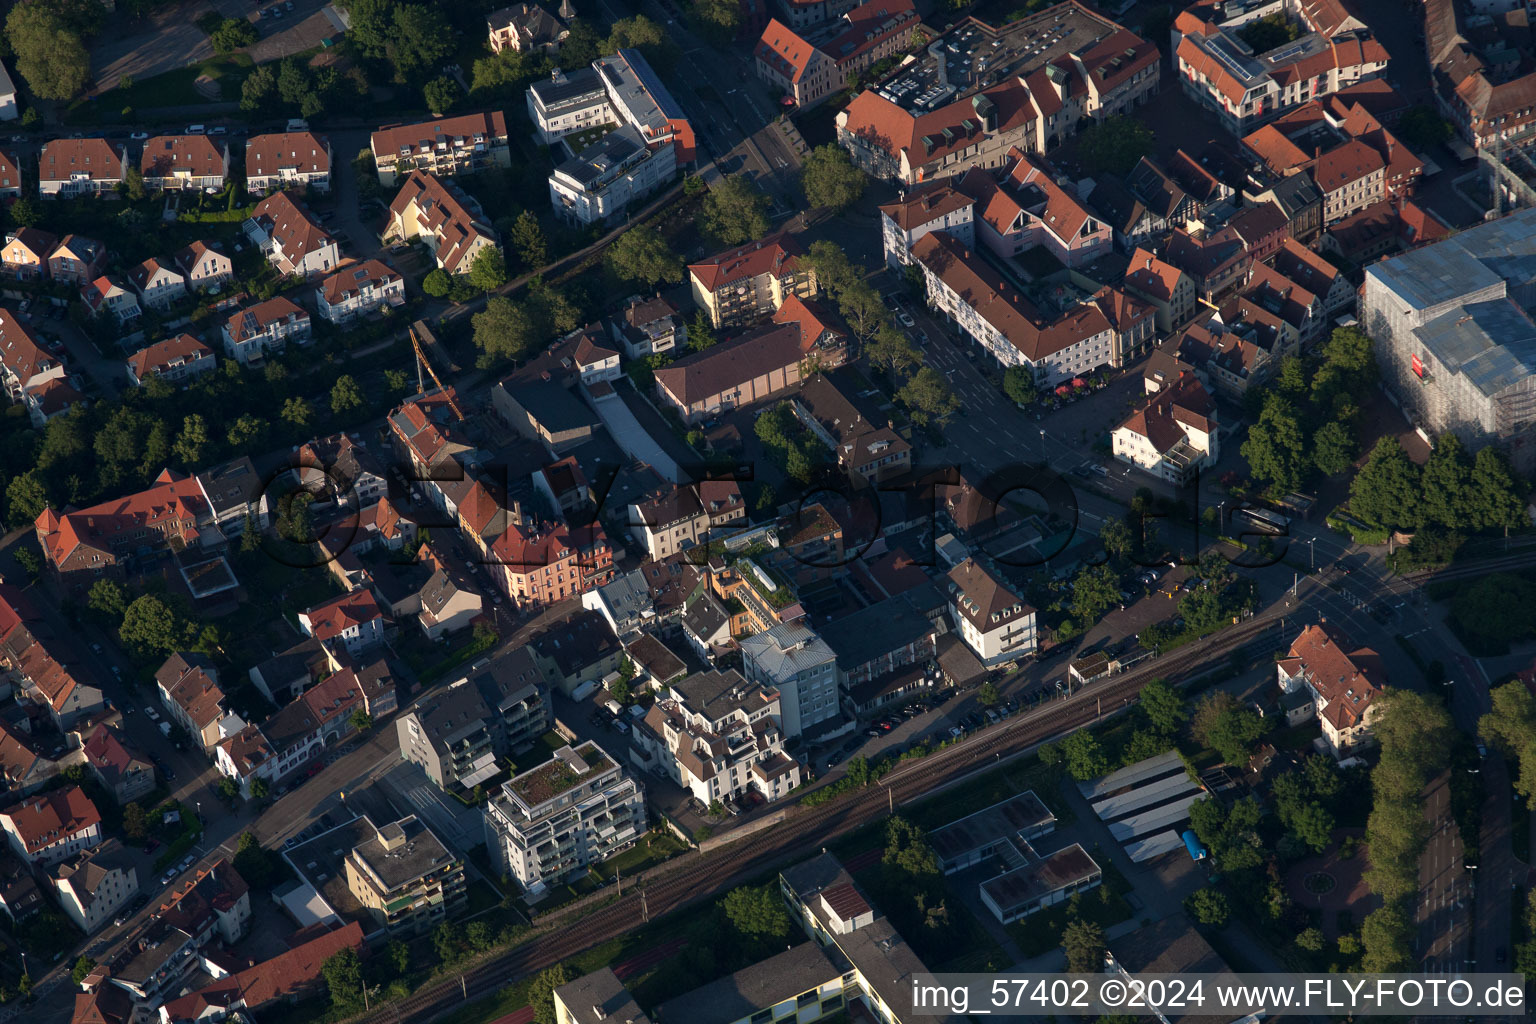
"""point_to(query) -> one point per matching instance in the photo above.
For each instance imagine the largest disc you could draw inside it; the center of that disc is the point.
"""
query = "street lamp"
(1042, 445)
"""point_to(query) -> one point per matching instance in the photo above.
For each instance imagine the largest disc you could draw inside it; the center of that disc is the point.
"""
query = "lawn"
(173, 88)
(1040, 932)
(653, 848)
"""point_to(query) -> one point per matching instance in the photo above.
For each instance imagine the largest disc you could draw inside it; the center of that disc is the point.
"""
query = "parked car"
(906, 319)
(151, 714)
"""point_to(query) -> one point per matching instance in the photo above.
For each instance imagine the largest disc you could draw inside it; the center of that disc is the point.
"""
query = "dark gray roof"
(600, 998)
(510, 677)
(1491, 344)
(758, 987)
(583, 639)
(879, 629)
(232, 485)
(555, 408)
(605, 158)
(417, 852)
(1294, 193)
(455, 712)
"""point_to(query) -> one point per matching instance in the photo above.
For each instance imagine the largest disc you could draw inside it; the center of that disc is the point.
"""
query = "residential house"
(76, 260)
(887, 650)
(124, 535)
(342, 468)
(597, 996)
(1173, 435)
(541, 565)
(792, 659)
(352, 620)
(291, 976)
(43, 664)
(1297, 197)
(687, 515)
(1216, 262)
(292, 238)
(648, 327)
(184, 161)
(189, 690)
(932, 206)
(10, 171)
(1169, 290)
(718, 736)
(528, 28)
(1342, 680)
(46, 828)
(287, 160)
(560, 819)
(67, 168)
(610, 175)
(995, 623)
(405, 878)
(595, 361)
(865, 448)
(236, 495)
(563, 486)
(250, 334)
(753, 280)
(456, 734)
(160, 283)
(625, 602)
(757, 364)
(177, 359)
(53, 398)
(810, 66)
(450, 602)
(205, 268)
(1310, 271)
(20, 897)
(444, 218)
(358, 290)
(448, 147)
(121, 772)
(579, 648)
(26, 763)
(26, 254)
(1020, 207)
(25, 365)
(109, 294)
(95, 884)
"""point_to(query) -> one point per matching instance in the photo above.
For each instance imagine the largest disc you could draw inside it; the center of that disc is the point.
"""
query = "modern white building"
(995, 623)
(557, 820)
(792, 659)
(717, 736)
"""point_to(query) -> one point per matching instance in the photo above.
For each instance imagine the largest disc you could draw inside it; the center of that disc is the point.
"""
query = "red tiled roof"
(158, 357)
(784, 50)
(291, 226)
(1184, 401)
(1151, 276)
(36, 241)
(142, 273)
(196, 155)
(348, 281)
(889, 127)
(1344, 164)
(261, 316)
(48, 818)
(19, 351)
(410, 139)
(778, 254)
(927, 202)
(700, 375)
(303, 152)
(355, 608)
(812, 319)
(444, 214)
(95, 158)
(174, 499)
(1348, 680)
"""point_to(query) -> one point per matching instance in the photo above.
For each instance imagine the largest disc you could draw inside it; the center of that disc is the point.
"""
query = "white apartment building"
(936, 206)
(250, 334)
(601, 181)
(94, 885)
(358, 290)
(570, 102)
(793, 660)
(995, 623)
(1173, 435)
(557, 820)
(717, 736)
(48, 827)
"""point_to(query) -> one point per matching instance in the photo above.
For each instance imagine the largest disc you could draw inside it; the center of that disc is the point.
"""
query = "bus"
(1262, 520)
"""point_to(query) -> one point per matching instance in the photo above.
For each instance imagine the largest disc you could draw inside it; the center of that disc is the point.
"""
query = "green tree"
(527, 238)
(135, 826)
(1386, 490)
(345, 395)
(1085, 758)
(1510, 728)
(298, 412)
(641, 256)
(989, 696)
(541, 993)
(397, 381)
(397, 954)
(640, 33)
(717, 20)
(343, 973)
(929, 396)
(1421, 127)
(907, 850)
(1164, 707)
(1333, 448)
(133, 185)
(260, 790)
(108, 597)
(1115, 144)
(1311, 940)
(1276, 448)
(246, 433)
(583, 44)
(1497, 503)
(149, 626)
(1227, 727)
(83, 966)
(488, 270)
(1445, 484)
(25, 498)
(1117, 538)
(503, 330)
(232, 35)
(361, 720)
(1095, 590)
(1083, 942)
(1019, 385)
(229, 789)
(258, 93)
(756, 912)
(701, 332)
(1269, 32)
(48, 51)
(437, 283)
(829, 178)
(192, 442)
(442, 95)
(1208, 907)
(734, 211)
(892, 351)
(1387, 937)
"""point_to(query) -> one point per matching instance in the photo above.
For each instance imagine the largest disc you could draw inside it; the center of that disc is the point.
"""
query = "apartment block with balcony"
(456, 735)
(447, 147)
(556, 820)
(406, 878)
(753, 280)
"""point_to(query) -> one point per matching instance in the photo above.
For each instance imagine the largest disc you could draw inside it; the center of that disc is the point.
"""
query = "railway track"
(692, 879)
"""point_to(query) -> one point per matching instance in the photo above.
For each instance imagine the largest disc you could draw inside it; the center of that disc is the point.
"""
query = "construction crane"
(421, 361)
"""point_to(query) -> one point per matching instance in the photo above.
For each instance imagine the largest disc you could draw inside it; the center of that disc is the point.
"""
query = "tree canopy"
(504, 329)
(48, 50)
(1115, 144)
(641, 256)
(829, 178)
(929, 396)
(756, 911)
(734, 211)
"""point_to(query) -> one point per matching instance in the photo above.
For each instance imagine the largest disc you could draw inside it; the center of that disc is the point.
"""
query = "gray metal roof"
(787, 650)
(1492, 344)
(762, 985)
(1481, 256)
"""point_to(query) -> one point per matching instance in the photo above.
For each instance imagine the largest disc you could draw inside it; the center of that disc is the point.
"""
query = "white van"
(197, 129)
(614, 707)
(585, 690)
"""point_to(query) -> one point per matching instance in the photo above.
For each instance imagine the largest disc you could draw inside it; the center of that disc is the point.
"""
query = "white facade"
(603, 179)
(792, 659)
